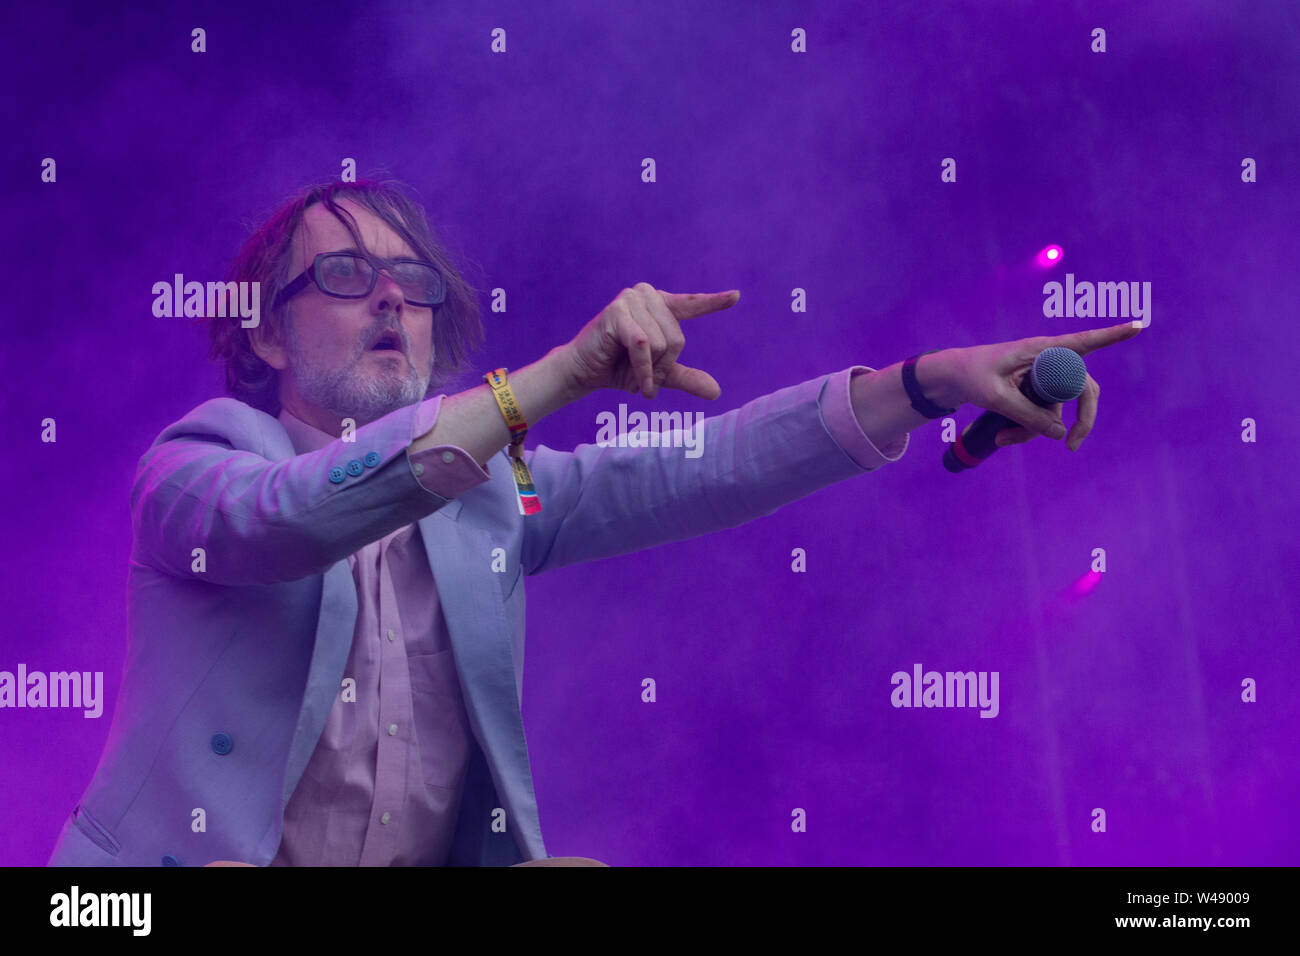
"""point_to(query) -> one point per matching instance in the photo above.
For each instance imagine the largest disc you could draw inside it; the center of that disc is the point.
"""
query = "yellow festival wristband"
(529, 503)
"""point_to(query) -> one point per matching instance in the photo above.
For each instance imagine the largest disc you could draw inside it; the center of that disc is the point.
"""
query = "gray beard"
(346, 393)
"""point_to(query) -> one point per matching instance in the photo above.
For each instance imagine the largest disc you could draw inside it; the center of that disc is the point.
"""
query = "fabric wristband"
(528, 501)
(913, 388)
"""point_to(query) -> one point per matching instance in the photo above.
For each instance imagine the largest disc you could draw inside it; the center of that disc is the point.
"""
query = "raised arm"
(225, 480)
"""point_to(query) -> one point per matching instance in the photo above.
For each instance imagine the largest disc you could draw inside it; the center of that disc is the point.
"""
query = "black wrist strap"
(922, 404)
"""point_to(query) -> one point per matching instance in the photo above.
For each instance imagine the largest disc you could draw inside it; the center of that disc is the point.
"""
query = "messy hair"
(265, 258)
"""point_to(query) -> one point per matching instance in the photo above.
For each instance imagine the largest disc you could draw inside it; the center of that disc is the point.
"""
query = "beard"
(350, 391)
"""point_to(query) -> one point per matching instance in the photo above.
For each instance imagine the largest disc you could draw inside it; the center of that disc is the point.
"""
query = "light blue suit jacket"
(231, 671)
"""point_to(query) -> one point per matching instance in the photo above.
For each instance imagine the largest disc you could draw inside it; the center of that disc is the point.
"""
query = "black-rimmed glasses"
(352, 275)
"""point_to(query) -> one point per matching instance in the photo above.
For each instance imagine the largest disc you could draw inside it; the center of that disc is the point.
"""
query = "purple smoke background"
(776, 171)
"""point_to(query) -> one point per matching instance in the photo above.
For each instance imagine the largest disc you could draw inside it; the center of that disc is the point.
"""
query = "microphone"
(1057, 375)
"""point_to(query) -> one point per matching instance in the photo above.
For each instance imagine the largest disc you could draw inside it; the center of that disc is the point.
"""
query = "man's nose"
(390, 291)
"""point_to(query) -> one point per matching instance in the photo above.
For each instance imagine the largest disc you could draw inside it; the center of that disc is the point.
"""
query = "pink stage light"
(1050, 256)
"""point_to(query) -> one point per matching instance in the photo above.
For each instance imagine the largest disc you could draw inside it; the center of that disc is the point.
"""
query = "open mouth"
(389, 341)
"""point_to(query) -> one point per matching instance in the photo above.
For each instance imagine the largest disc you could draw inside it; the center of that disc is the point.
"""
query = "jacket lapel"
(460, 558)
(334, 629)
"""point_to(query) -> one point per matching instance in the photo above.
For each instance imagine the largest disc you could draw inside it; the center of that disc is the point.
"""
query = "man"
(325, 589)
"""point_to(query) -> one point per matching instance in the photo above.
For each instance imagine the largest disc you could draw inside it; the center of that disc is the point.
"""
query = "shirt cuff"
(446, 470)
(837, 412)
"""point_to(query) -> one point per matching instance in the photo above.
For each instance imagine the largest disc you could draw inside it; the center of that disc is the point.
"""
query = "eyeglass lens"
(346, 274)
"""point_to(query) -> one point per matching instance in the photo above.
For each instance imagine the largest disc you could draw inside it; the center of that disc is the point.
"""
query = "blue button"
(170, 860)
(337, 476)
(371, 459)
(355, 468)
(221, 743)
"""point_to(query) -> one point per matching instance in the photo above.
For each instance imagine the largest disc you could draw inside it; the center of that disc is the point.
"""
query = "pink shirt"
(383, 785)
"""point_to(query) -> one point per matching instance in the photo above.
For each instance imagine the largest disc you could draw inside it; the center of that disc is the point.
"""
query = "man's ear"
(269, 344)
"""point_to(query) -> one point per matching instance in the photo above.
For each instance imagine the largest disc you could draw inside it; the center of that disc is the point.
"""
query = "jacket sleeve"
(598, 502)
(210, 481)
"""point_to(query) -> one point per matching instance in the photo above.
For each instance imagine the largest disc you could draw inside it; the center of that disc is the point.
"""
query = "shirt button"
(390, 635)
(386, 817)
(448, 457)
(419, 469)
(392, 729)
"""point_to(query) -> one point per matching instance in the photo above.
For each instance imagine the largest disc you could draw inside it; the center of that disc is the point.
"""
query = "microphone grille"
(1058, 373)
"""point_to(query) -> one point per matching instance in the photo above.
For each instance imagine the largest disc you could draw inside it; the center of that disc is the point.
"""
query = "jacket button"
(170, 860)
(336, 475)
(354, 467)
(221, 744)
(371, 459)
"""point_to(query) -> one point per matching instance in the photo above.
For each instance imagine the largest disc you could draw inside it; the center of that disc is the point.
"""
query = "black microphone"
(1057, 375)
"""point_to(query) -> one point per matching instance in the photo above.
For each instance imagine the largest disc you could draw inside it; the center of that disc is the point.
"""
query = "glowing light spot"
(1049, 256)
(1086, 583)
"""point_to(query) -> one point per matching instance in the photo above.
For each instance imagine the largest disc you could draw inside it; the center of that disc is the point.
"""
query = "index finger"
(688, 305)
(1093, 339)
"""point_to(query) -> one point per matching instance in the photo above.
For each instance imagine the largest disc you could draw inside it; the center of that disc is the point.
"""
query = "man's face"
(329, 369)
